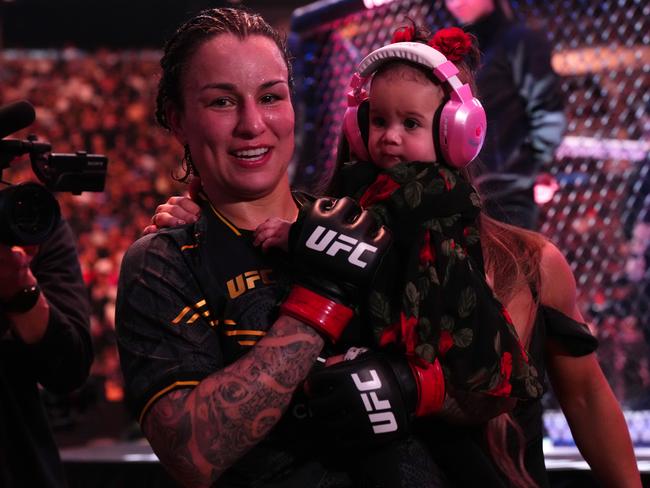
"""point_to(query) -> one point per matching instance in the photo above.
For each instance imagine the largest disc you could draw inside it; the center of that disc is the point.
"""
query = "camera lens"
(28, 214)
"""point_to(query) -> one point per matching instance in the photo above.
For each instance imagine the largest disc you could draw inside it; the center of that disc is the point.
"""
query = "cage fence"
(600, 214)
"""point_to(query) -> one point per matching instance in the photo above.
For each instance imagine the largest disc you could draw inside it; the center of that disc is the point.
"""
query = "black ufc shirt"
(192, 300)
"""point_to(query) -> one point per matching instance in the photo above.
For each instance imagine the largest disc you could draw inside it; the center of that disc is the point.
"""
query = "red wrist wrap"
(431, 386)
(325, 315)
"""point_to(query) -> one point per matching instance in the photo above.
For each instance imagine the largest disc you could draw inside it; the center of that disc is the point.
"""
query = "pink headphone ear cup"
(353, 133)
(461, 131)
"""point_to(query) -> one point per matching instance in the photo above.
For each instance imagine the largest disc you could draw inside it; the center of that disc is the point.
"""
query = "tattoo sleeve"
(199, 433)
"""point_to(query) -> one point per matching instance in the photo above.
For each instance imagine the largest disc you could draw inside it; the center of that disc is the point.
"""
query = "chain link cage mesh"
(599, 216)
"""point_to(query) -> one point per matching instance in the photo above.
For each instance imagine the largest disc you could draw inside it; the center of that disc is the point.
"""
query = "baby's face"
(403, 103)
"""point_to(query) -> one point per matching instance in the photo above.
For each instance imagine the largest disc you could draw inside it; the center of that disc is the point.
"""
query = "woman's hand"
(368, 399)
(178, 210)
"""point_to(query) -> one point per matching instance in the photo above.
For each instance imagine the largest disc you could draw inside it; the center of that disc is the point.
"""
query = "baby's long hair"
(512, 259)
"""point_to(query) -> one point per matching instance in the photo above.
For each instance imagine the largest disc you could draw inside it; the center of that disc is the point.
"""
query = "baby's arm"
(273, 232)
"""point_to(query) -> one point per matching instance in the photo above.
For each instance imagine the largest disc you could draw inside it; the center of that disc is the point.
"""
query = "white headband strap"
(409, 51)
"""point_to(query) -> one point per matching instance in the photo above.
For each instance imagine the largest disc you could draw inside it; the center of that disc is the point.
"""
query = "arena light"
(375, 3)
(545, 187)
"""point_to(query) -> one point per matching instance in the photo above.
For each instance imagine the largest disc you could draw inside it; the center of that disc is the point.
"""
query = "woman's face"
(469, 11)
(237, 117)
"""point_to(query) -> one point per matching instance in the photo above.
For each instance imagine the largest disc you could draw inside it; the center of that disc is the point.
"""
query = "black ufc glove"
(336, 247)
(371, 400)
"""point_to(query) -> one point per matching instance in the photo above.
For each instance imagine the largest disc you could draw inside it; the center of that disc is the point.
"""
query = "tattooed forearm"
(248, 397)
(169, 429)
(210, 427)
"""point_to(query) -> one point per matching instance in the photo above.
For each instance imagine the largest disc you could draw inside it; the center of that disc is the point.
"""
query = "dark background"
(92, 24)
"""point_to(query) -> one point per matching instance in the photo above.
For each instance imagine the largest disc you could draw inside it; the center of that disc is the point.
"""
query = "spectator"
(524, 107)
(44, 339)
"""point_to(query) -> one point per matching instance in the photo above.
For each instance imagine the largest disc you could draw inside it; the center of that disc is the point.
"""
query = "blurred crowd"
(101, 104)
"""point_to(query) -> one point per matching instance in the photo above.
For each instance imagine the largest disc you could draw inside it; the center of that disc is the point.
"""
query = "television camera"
(29, 213)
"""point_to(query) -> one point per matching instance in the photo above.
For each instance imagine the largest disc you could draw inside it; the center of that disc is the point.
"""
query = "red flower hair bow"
(453, 42)
(403, 34)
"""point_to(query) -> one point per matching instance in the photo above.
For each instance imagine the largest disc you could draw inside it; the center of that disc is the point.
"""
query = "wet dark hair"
(192, 34)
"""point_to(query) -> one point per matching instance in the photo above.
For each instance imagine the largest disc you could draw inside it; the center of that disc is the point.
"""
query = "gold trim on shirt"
(161, 393)
(245, 332)
(221, 217)
(197, 306)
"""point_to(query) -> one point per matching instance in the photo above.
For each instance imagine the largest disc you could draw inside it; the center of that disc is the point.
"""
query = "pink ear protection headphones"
(462, 123)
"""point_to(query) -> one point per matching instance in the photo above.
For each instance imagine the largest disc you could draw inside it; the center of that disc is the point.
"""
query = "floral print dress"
(431, 299)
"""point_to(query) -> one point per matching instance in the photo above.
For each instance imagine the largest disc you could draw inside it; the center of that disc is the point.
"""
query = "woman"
(541, 302)
(210, 368)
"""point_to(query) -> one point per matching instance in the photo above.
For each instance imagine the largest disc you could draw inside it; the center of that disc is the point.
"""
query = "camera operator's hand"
(14, 269)
(20, 297)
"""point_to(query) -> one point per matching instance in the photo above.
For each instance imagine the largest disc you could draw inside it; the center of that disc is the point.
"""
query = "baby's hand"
(273, 232)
